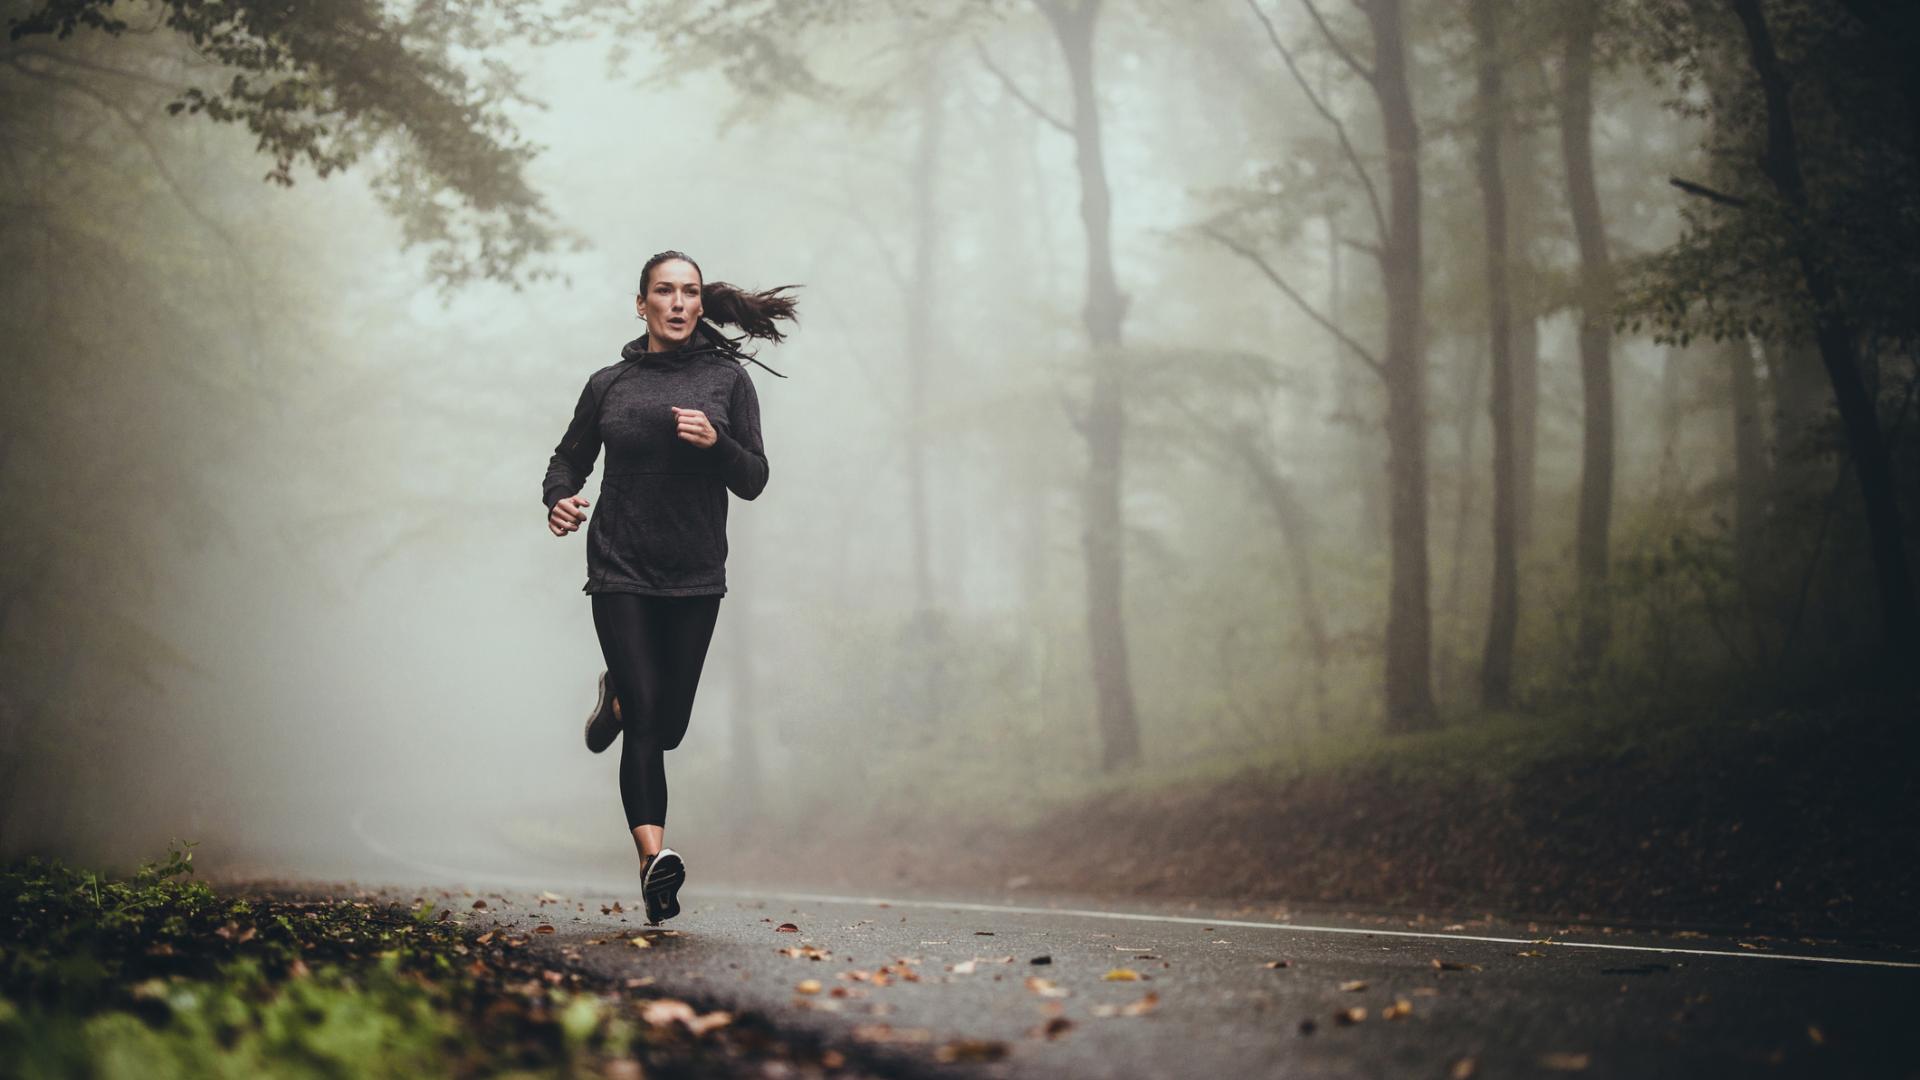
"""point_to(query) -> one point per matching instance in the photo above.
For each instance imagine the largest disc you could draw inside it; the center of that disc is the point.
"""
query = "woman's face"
(671, 304)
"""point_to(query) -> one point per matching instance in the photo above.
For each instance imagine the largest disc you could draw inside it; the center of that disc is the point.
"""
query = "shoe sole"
(602, 704)
(661, 888)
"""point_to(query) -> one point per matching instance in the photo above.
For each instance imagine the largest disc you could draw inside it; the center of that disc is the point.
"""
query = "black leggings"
(654, 647)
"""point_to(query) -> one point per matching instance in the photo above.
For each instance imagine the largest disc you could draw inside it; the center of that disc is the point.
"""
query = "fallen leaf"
(479, 905)
(889, 1033)
(547, 897)
(1455, 926)
(663, 1011)
(1454, 965)
(1532, 954)
(1045, 987)
(971, 1050)
(787, 928)
(1565, 1061)
(639, 942)
(1400, 1007)
(1122, 975)
(804, 952)
(1042, 959)
(1053, 1028)
(1818, 1037)
(1356, 984)
(1278, 964)
(983, 933)
(543, 928)
(637, 983)
(807, 986)
(484, 939)
(1352, 1015)
(1146, 1004)
(965, 967)
(1462, 1069)
(706, 1022)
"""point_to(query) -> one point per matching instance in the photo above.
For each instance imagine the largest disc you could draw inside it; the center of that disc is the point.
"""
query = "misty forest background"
(1180, 388)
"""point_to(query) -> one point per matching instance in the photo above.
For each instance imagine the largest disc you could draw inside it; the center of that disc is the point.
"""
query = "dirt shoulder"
(1791, 823)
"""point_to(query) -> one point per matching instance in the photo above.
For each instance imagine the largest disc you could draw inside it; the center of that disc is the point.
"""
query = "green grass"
(157, 976)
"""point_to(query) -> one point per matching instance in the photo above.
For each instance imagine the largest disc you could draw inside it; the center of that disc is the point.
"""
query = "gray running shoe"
(602, 726)
(660, 885)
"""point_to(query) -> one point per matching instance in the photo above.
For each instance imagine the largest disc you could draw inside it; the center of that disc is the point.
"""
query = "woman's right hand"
(566, 515)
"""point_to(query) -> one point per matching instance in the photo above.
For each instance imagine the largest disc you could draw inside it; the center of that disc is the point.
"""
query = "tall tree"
(1490, 122)
(1835, 334)
(921, 292)
(1591, 543)
(1401, 366)
(1103, 422)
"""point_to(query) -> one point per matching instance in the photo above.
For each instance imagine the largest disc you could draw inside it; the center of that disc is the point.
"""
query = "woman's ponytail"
(752, 312)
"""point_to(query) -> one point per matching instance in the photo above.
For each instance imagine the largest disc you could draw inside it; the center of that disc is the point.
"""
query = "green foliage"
(322, 84)
(1735, 270)
(158, 976)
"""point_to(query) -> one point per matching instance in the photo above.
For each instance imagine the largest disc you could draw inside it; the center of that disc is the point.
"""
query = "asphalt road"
(1221, 993)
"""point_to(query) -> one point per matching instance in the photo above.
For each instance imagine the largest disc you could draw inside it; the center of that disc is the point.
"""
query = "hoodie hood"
(702, 343)
(706, 341)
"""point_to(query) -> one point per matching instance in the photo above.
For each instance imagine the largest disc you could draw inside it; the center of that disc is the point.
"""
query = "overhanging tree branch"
(1018, 94)
(1319, 106)
(1346, 56)
(1293, 294)
(1706, 192)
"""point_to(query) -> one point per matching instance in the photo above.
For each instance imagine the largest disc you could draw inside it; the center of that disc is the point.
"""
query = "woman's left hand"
(695, 427)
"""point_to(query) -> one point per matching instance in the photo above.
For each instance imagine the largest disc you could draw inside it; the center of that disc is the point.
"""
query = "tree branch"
(1019, 95)
(1706, 192)
(1339, 128)
(1339, 50)
(173, 185)
(1293, 294)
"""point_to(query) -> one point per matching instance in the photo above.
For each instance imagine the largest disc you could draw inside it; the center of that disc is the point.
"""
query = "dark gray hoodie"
(660, 525)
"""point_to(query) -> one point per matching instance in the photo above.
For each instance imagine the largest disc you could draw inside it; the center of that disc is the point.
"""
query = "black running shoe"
(602, 726)
(660, 885)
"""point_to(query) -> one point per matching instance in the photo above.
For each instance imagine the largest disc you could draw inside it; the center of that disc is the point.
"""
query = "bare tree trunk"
(1296, 532)
(1409, 661)
(1668, 482)
(1104, 426)
(1496, 672)
(1596, 335)
(926, 631)
(1834, 333)
(926, 239)
(1467, 426)
(1801, 396)
(1523, 188)
(1750, 480)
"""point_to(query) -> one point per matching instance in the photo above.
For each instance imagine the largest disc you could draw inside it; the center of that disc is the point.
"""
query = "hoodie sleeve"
(743, 458)
(572, 460)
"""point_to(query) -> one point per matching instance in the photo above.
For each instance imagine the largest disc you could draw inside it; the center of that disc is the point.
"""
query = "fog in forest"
(1124, 441)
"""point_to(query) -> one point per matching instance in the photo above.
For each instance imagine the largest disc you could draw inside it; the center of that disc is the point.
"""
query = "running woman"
(681, 426)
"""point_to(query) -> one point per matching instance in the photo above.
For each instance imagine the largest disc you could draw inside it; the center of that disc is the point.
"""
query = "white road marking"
(358, 826)
(1010, 909)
